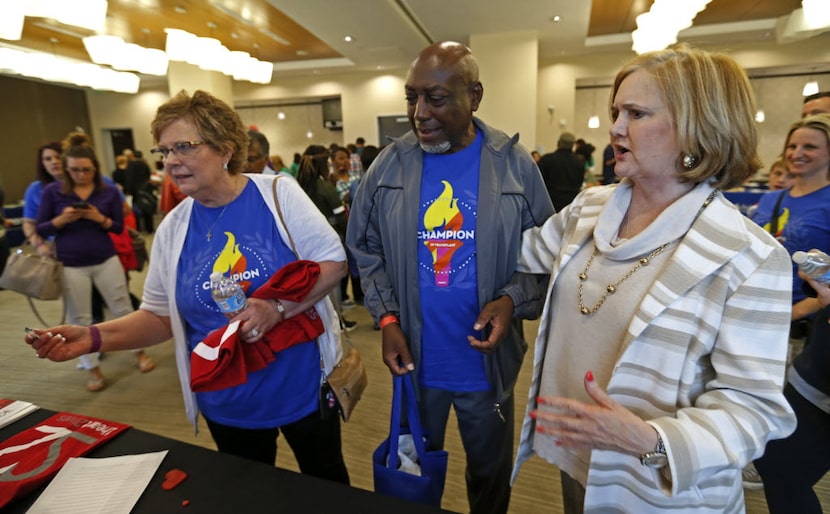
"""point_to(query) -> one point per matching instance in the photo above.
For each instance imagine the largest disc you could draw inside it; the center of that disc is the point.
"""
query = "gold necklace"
(643, 261)
(612, 288)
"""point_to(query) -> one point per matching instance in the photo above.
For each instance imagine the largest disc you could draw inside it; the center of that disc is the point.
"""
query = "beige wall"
(508, 65)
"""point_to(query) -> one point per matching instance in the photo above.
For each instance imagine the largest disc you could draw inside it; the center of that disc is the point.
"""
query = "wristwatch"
(656, 459)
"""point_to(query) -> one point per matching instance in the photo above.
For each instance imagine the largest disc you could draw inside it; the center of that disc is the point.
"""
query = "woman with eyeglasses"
(79, 212)
(247, 227)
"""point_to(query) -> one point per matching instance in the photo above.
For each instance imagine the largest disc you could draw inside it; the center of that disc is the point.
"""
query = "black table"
(221, 483)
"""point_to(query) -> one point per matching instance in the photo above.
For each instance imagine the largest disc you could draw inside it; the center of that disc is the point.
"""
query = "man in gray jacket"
(435, 228)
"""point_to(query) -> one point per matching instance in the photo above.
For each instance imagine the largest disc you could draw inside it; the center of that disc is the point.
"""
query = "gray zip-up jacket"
(382, 231)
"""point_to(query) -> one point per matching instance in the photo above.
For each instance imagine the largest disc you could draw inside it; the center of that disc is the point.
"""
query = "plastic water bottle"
(815, 264)
(228, 295)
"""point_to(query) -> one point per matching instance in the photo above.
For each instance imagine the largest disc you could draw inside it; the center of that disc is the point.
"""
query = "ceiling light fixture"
(658, 28)
(810, 88)
(347, 39)
(11, 22)
(52, 68)
(115, 52)
(209, 54)
(816, 13)
(276, 37)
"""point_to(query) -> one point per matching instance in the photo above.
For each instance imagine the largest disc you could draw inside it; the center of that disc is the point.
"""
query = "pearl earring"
(689, 161)
(225, 166)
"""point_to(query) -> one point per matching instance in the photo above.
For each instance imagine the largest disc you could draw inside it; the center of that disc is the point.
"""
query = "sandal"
(146, 364)
(95, 384)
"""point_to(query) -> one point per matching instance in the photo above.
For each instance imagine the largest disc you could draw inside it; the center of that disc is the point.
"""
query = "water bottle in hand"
(228, 295)
(815, 264)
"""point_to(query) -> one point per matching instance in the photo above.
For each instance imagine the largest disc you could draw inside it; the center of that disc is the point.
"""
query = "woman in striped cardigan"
(660, 356)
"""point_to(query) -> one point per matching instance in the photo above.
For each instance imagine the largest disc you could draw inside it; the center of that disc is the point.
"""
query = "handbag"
(428, 487)
(347, 379)
(34, 276)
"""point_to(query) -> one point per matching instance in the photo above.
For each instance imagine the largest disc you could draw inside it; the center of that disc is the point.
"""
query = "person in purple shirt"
(78, 212)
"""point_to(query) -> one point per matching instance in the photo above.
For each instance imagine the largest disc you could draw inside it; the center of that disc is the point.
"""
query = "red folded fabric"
(222, 360)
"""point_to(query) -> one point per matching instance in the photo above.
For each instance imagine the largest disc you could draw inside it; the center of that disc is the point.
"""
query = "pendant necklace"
(209, 233)
(643, 261)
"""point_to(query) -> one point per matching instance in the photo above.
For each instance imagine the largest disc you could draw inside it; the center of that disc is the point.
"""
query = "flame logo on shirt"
(444, 216)
(231, 262)
(783, 218)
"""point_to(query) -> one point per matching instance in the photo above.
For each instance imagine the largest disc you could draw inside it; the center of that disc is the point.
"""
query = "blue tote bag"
(389, 479)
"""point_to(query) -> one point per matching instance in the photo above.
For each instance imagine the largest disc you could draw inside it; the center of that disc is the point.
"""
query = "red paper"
(33, 456)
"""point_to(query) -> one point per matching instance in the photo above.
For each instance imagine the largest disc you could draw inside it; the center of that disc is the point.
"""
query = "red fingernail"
(540, 429)
(541, 400)
(558, 443)
(589, 376)
(532, 414)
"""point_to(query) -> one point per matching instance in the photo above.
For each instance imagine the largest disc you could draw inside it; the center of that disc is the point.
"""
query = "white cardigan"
(702, 360)
(315, 241)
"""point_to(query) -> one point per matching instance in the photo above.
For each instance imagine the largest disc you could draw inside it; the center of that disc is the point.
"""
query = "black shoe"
(348, 326)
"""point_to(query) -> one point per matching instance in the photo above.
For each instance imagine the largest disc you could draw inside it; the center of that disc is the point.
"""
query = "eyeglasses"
(182, 149)
(81, 170)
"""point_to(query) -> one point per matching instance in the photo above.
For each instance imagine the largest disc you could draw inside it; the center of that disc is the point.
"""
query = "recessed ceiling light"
(347, 39)
(555, 19)
(179, 9)
(302, 52)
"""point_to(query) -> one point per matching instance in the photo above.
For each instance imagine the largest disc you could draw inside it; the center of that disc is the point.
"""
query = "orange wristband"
(388, 319)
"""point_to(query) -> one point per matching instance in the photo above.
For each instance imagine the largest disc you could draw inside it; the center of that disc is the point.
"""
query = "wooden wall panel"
(32, 114)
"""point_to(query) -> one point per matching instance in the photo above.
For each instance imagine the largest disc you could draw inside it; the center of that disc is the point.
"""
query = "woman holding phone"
(79, 212)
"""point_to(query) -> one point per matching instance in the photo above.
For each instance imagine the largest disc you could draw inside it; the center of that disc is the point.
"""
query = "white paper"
(12, 410)
(110, 485)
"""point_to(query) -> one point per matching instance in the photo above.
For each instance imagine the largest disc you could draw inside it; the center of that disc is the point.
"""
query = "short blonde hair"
(218, 124)
(712, 105)
(820, 122)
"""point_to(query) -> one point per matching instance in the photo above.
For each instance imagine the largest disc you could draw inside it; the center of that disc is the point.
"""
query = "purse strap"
(773, 224)
(40, 318)
(403, 392)
(332, 298)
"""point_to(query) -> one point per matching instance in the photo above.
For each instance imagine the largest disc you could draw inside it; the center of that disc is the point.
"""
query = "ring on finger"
(254, 332)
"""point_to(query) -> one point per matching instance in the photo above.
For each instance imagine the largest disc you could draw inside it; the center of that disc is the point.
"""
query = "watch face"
(655, 460)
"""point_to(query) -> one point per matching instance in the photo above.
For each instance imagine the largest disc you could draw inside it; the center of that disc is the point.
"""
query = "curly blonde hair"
(217, 123)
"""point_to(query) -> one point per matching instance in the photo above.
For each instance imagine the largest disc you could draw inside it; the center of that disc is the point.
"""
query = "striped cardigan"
(703, 359)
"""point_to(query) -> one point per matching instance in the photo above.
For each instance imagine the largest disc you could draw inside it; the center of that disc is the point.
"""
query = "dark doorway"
(121, 139)
(392, 126)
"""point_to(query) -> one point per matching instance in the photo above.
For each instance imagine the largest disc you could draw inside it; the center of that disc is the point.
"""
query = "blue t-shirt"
(244, 244)
(447, 271)
(803, 224)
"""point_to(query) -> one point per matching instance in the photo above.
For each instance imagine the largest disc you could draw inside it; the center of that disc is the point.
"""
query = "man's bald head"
(442, 92)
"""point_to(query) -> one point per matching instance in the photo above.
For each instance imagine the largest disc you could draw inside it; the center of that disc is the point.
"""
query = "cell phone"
(80, 205)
